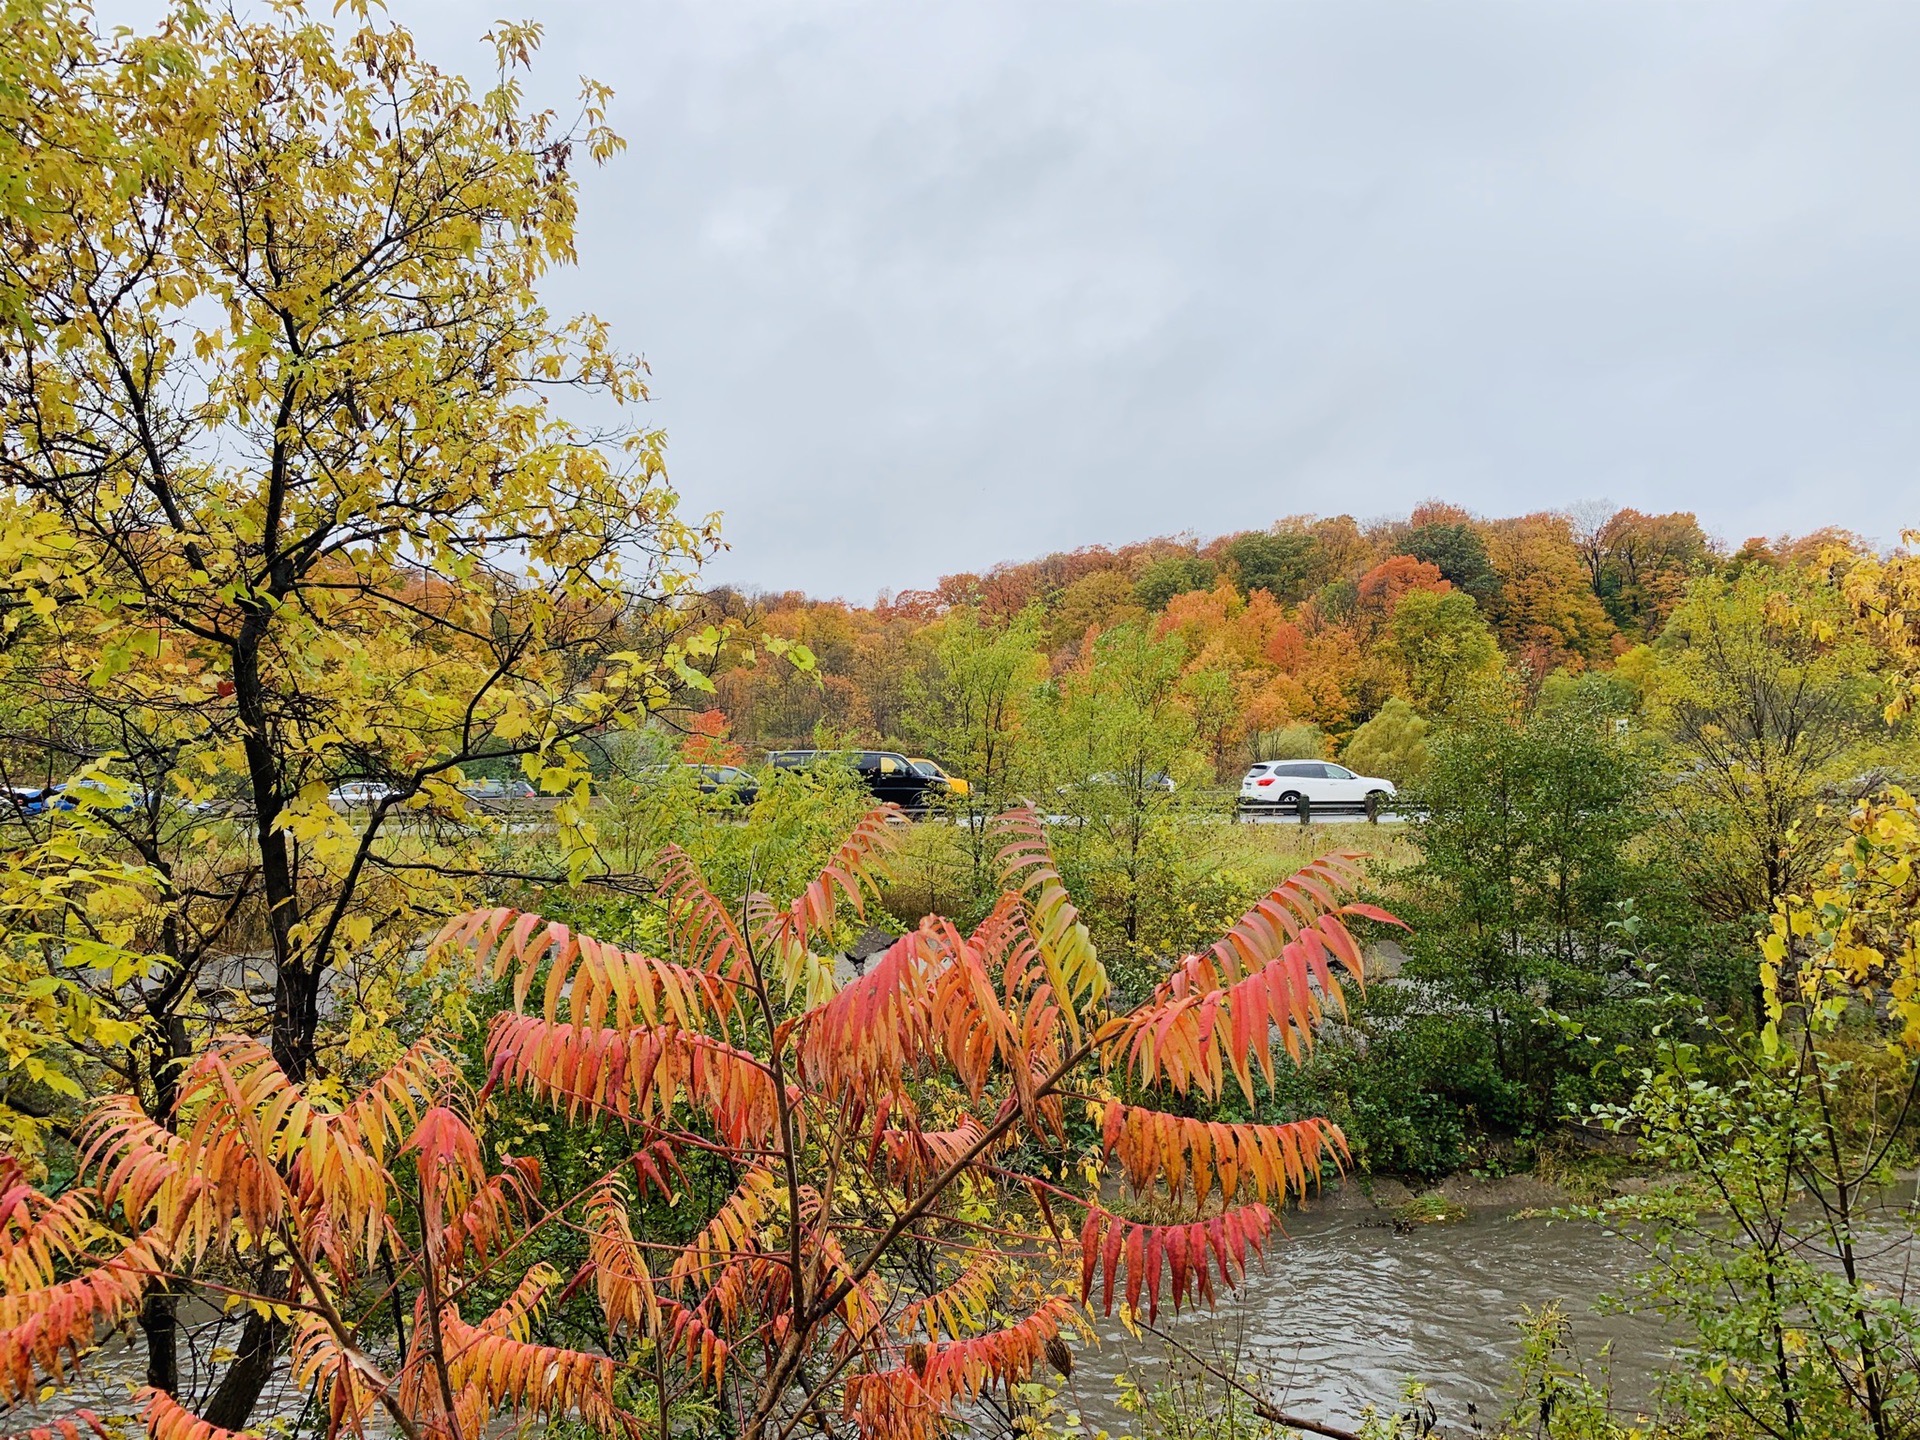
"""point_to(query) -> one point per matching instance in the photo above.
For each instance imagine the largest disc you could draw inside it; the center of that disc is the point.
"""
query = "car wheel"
(1379, 799)
(1292, 797)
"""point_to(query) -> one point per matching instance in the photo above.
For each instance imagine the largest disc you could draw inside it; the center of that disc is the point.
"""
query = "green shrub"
(1292, 742)
(1392, 744)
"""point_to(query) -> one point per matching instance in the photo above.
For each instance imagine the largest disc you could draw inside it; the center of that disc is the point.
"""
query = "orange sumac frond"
(249, 1144)
(1109, 1244)
(916, 1156)
(514, 1315)
(590, 982)
(704, 932)
(852, 873)
(1269, 1160)
(150, 1173)
(973, 1027)
(257, 1142)
(68, 1428)
(1059, 936)
(1189, 1036)
(620, 1272)
(167, 1419)
(688, 1333)
(753, 1280)
(867, 1039)
(1278, 917)
(963, 1368)
(39, 1326)
(650, 1165)
(956, 1307)
(733, 1231)
(36, 1232)
(387, 1110)
(636, 1074)
(1306, 905)
(542, 1380)
(912, 1401)
(484, 1228)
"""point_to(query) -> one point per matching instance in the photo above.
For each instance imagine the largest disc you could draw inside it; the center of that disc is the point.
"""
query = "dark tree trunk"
(295, 1000)
(160, 1323)
(247, 1376)
(296, 985)
(252, 1366)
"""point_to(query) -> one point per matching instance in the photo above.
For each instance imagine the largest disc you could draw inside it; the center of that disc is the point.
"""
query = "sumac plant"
(918, 1158)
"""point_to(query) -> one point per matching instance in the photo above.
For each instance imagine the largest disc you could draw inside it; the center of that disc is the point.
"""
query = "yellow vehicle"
(955, 785)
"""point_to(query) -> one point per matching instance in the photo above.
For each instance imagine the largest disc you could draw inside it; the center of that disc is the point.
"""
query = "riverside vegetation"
(572, 1115)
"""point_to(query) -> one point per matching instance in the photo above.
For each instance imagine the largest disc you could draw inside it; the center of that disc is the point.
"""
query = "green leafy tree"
(1455, 548)
(1778, 1248)
(1160, 580)
(1392, 744)
(1444, 647)
(1523, 856)
(968, 694)
(1116, 730)
(1285, 565)
(1765, 693)
(969, 697)
(1299, 741)
(1214, 702)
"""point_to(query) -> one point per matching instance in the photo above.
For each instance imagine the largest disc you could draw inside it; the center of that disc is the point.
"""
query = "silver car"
(359, 794)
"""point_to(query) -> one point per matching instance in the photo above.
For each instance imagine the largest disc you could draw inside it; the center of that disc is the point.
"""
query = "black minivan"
(888, 775)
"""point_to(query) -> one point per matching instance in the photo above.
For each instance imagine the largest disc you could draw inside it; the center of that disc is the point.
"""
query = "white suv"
(1329, 786)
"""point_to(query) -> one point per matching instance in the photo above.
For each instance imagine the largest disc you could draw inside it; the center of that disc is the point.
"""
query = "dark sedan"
(890, 776)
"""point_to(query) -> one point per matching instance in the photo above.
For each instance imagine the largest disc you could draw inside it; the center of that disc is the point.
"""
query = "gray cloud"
(929, 286)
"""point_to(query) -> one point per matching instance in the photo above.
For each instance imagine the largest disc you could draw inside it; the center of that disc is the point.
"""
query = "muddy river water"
(1347, 1308)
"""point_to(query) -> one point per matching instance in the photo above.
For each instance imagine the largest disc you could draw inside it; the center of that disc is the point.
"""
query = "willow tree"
(291, 492)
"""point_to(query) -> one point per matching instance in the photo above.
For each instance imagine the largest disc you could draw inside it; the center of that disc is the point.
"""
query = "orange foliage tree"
(709, 740)
(853, 1268)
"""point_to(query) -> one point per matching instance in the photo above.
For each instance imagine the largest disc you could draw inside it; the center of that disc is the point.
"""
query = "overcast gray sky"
(925, 286)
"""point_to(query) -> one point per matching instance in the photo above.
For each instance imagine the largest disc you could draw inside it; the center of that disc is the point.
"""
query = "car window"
(1298, 770)
(1256, 770)
(1339, 772)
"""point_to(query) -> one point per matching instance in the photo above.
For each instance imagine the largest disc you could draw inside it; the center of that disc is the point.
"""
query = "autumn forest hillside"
(1286, 640)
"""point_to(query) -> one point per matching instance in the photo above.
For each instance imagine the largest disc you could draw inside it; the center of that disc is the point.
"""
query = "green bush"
(1392, 744)
(1292, 742)
(1161, 580)
(1416, 1092)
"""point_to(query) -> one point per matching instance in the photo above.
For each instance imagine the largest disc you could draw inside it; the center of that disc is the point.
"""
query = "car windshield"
(925, 767)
